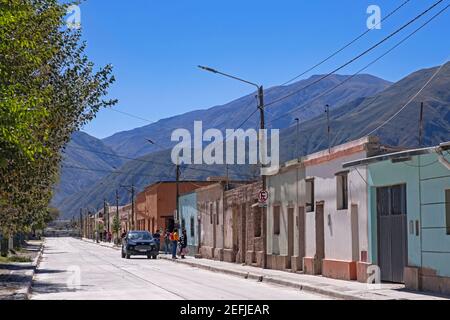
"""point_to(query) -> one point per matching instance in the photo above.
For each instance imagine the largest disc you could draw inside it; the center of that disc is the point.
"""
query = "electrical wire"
(131, 115)
(410, 100)
(356, 57)
(116, 172)
(362, 69)
(151, 161)
(346, 46)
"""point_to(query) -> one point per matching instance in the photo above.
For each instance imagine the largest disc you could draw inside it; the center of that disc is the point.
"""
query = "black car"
(139, 243)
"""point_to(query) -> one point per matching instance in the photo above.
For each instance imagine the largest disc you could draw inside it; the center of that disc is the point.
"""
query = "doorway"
(392, 232)
(290, 237)
(320, 237)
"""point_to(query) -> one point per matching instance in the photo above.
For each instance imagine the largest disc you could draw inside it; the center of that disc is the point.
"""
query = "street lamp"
(261, 144)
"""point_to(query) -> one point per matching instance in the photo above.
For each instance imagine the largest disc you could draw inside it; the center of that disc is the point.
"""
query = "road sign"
(263, 196)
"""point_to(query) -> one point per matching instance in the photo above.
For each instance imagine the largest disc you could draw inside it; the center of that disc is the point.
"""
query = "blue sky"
(155, 47)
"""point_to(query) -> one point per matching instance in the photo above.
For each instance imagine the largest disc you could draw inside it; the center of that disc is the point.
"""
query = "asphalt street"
(72, 269)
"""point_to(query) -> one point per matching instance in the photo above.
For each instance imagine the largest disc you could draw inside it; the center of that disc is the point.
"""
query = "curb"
(25, 293)
(261, 278)
(272, 280)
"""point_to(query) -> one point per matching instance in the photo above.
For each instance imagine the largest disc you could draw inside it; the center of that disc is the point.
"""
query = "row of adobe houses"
(334, 213)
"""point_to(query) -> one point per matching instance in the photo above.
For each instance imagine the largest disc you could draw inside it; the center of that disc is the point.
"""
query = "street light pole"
(262, 152)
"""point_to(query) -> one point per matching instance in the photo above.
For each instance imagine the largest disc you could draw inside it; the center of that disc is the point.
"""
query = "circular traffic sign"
(263, 196)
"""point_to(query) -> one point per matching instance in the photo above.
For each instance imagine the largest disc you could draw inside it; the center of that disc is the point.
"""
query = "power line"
(356, 57)
(362, 69)
(116, 171)
(410, 100)
(345, 46)
(151, 161)
(131, 115)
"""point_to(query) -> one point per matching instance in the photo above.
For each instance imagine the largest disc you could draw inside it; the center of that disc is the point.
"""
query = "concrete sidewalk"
(340, 289)
(16, 278)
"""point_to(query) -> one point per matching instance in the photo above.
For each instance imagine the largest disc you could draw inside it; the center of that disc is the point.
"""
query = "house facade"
(210, 215)
(243, 227)
(189, 220)
(409, 216)
(229, 222)
(317, 213)
(156, 205)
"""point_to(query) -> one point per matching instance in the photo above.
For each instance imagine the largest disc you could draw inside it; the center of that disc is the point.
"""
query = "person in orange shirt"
(174, 238)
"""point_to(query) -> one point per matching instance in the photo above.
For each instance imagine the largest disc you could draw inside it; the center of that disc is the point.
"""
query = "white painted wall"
(285, 191)
(338, 223)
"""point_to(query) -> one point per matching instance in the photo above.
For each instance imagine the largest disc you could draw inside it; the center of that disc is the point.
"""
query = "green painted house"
(409, 216)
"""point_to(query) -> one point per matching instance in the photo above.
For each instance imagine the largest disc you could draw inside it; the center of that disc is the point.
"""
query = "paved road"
(104, 275)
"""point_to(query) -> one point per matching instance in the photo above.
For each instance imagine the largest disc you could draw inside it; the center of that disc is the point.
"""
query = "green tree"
(116, 225)
(48, 90)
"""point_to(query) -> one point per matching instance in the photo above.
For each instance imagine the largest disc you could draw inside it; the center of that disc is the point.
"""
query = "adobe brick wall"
(246, 232)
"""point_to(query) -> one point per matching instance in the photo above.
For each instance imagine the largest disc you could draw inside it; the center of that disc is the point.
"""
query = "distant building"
(156, 205)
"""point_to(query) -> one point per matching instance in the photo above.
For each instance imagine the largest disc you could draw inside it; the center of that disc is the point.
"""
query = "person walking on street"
(167, 242)
(174, 238)
(183, 244)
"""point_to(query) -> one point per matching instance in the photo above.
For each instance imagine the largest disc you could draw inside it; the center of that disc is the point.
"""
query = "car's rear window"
(140, 236)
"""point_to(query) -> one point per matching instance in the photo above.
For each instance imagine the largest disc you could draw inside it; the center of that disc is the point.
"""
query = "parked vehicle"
(139, 243)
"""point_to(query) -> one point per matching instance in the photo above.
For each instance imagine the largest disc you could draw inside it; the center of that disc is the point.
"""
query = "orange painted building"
(156, 205)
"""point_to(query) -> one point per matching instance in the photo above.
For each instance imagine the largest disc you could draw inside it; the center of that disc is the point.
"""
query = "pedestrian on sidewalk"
(167, 242)
(157, 237)
(175, 238)
(183, 244)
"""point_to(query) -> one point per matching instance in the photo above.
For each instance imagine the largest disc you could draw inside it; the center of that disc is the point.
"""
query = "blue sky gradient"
(155, 47)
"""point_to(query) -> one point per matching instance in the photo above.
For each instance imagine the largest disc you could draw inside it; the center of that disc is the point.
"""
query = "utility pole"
(130, 189)
(117, 214)
(421, 125)
(81, 223)
(327, 111)
(297, 139)
(263, 177)
(132, 208)
(228, 177)
(177, 168)
(106, 219)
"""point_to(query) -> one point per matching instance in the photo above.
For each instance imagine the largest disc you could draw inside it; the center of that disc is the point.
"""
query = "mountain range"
(357, 106)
